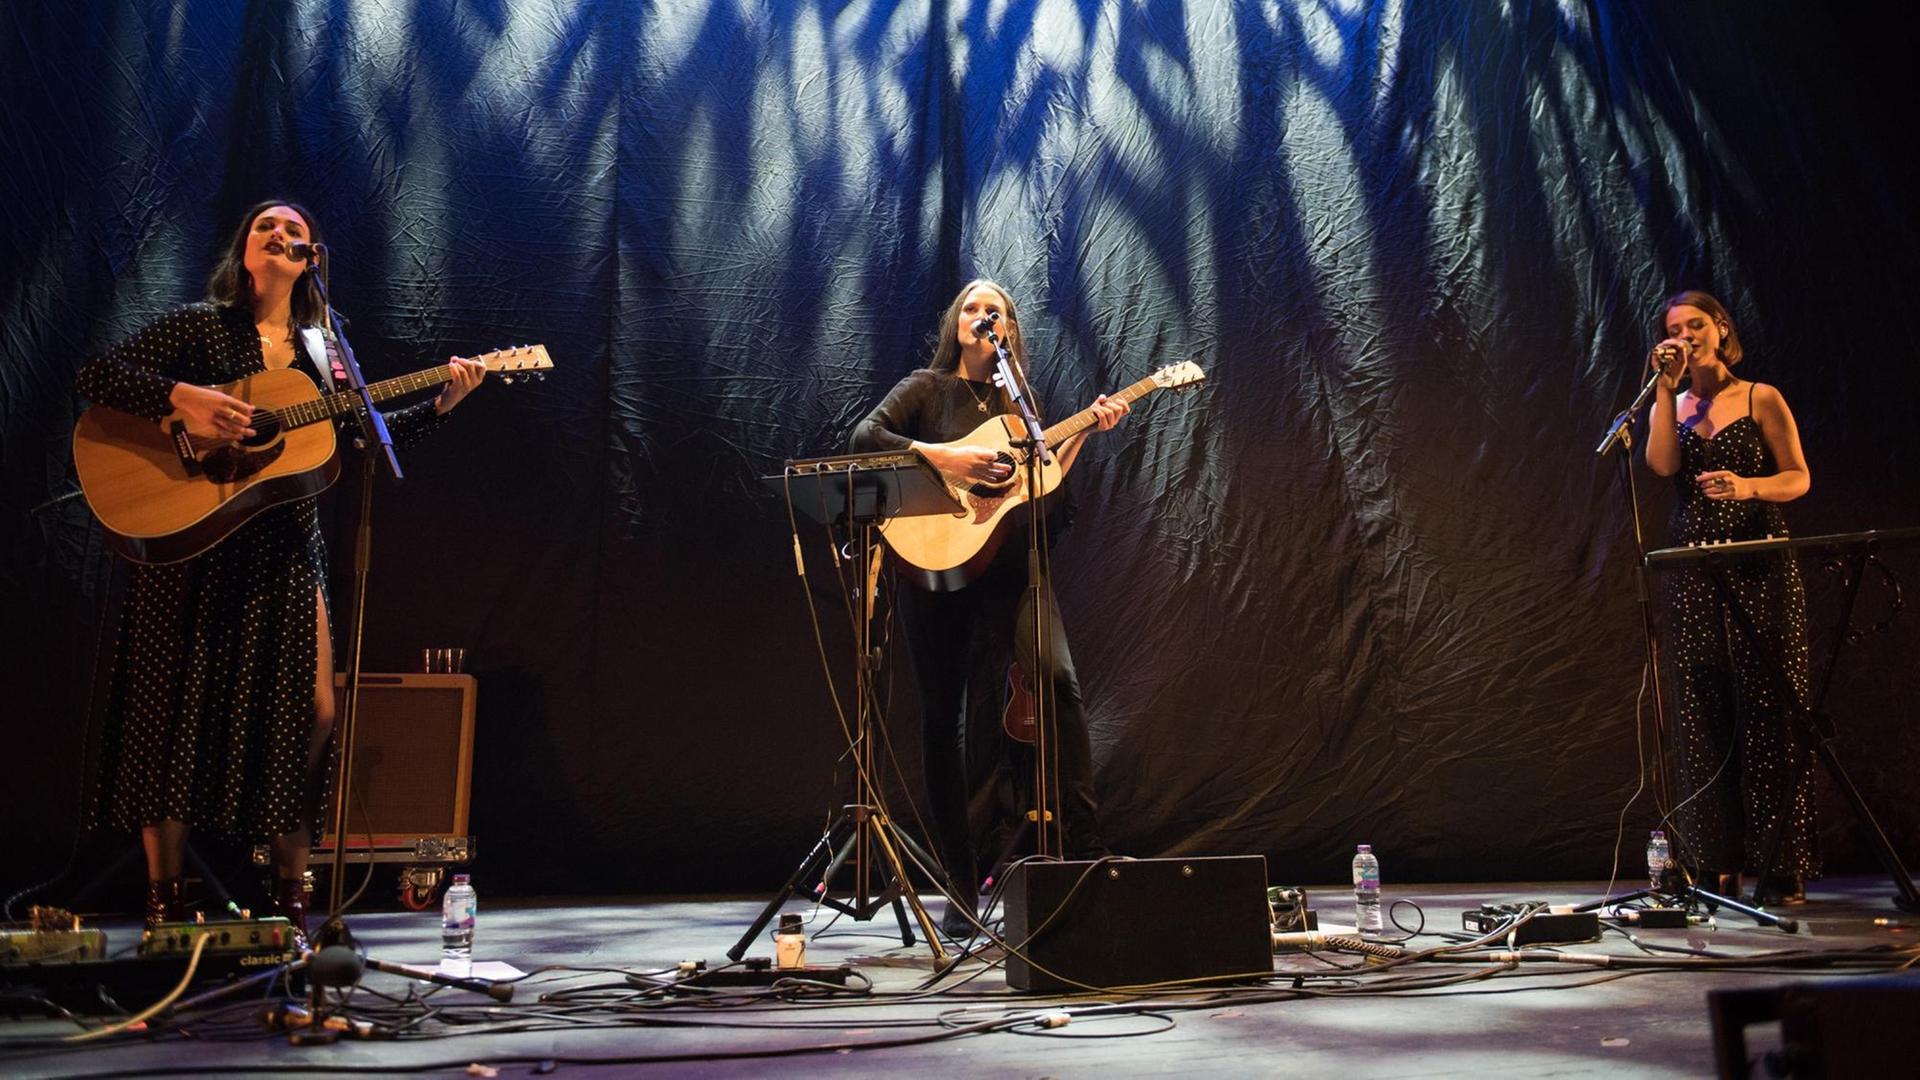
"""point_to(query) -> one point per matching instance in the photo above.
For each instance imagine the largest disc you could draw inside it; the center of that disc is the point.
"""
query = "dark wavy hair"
(1730, 351)
(230, 285)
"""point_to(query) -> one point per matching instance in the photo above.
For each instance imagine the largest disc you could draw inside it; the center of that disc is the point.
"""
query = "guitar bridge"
(183, 446)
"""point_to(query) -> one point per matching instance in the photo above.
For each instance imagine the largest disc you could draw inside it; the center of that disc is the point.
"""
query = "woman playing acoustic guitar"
(222, 698)
(931, 410)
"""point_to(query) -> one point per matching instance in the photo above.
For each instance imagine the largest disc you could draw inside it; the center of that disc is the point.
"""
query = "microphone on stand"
(301, 251)
(983, 327)
(1666, 352)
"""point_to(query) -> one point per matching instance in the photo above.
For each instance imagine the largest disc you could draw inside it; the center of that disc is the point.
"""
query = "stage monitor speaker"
(1132, 922)
(412, 759)
(1831, 1028)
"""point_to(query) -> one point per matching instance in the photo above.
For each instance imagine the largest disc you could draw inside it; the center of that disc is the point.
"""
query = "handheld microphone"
(498, 991)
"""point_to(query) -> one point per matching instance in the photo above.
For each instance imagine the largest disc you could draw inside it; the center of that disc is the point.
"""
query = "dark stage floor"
(1480, 1018)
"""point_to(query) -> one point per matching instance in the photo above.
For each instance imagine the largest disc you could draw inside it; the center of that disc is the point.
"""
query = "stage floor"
(1539, 1018)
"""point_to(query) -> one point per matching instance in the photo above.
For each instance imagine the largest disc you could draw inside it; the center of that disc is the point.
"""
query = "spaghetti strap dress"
(1737, 632)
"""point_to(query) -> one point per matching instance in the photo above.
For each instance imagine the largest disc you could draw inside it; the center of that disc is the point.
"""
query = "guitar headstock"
(1177, 376)
(518, 362)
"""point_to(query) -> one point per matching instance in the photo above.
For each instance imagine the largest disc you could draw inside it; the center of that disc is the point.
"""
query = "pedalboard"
(1544, 928)
(80, 979)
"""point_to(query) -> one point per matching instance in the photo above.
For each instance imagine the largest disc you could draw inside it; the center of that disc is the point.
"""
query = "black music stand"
(1851, 553)
(860, 491)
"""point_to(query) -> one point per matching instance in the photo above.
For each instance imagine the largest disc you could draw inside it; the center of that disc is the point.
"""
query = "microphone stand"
(1620, 435)
(1049, 840)
(373, 432)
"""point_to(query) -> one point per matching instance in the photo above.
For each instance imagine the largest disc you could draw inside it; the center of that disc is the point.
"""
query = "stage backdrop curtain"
(1370, 584)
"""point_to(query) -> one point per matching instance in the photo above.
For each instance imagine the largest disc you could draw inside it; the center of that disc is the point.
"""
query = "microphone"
(301, 251)
(1666, 353)
(983, 327)
(498, 991)
(335, 965)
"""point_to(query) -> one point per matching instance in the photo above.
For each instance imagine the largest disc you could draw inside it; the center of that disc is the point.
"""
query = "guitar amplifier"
(412, 767)
(1135, 922)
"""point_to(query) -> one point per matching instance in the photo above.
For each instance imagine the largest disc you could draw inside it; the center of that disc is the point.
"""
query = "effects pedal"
(264, 942)
(1656, 918)
(1545, 928)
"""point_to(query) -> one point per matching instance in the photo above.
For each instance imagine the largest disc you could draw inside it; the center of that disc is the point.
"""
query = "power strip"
(761, 975)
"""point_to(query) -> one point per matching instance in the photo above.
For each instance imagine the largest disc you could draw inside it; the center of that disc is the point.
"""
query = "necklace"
(979, 401)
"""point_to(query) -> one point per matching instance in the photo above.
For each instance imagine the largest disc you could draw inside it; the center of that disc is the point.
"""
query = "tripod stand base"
(856, 828)
(1690, 896)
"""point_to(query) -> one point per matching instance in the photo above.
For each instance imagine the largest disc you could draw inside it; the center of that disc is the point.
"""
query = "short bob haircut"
(1730, 351)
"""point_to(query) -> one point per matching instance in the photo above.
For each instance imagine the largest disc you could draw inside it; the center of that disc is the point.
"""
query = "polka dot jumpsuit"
(211, 708)
(1738, 681)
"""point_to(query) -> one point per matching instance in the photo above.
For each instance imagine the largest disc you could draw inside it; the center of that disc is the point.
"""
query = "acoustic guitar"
(944, 552)
(164, 495)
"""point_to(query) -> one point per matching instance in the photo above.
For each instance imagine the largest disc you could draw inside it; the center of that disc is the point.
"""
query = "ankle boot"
(166, 901)
(290, 903)
(1728, 883)
(1787, 888)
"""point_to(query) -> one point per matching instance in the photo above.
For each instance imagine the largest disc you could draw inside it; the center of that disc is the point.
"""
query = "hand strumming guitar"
(210, 413)
(967, 462)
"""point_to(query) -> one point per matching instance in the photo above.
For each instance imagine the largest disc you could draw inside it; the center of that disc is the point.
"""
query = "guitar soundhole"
(232, 464)
(988, 490)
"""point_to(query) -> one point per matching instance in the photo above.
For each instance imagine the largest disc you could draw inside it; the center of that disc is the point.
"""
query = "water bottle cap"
(462, 879)
(1364, 849)
(1659, 834)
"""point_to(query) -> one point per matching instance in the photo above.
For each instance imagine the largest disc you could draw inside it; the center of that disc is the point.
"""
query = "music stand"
(860, 491)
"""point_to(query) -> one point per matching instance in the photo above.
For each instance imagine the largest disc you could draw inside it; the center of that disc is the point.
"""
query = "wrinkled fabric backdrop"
(1369, 584)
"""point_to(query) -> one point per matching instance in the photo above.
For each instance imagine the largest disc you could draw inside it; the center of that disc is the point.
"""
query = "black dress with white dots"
(210, 716)
(1739, 654)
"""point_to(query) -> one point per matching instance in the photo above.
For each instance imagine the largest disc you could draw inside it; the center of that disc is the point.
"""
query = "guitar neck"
(342, 402)
(1086, 418)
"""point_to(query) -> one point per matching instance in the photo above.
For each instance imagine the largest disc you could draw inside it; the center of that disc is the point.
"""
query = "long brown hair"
(946, 345)
(230, 285)
(1730, 350)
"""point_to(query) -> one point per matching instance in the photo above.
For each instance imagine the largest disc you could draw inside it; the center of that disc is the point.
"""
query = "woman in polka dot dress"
(1737, 633)
(222, 695)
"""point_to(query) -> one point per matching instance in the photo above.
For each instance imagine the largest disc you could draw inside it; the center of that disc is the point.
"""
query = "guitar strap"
(318, 347)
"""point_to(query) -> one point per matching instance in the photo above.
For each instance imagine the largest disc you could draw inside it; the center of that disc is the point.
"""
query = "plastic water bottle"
(457, 913)
(1366, 892)
(1659, 853)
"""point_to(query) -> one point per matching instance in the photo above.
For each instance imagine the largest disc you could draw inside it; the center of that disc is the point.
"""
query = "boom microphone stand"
(373, 432)
(1620, 435)
(334, 939)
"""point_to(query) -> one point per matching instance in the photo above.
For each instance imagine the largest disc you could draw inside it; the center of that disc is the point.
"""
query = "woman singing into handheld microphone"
(1737, 632)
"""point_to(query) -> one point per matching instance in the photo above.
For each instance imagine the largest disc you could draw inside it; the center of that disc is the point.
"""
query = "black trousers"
(942, 632)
